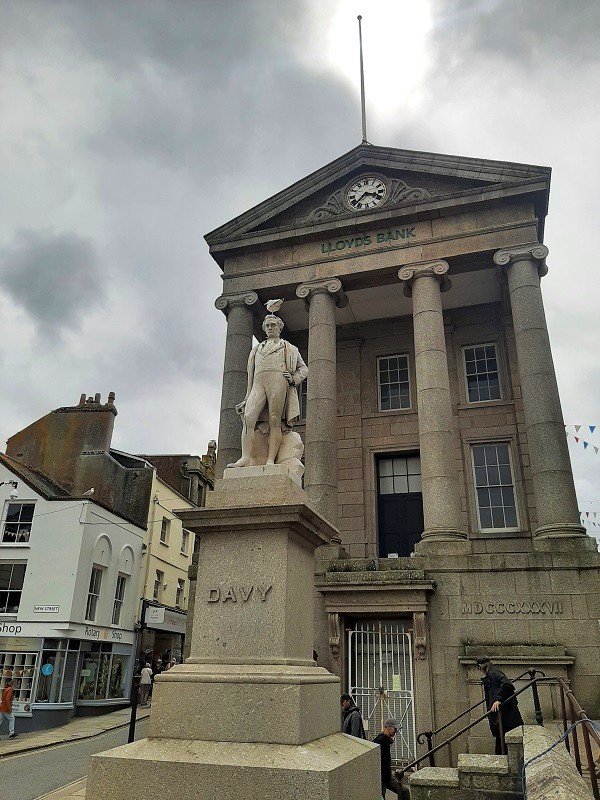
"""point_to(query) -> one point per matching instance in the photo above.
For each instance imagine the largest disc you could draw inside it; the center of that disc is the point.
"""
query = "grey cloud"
(55, 277)
(528, 32)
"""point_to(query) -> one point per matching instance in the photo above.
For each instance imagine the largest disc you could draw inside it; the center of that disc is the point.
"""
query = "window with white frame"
(158, 585)
(179, 592)
(481, 373)
(21, 665)
(185, 541)
(16, 528)
(494, 485)
(12, 577)
(119, 599)
(393, 382)
(164, 530)
(91, 606)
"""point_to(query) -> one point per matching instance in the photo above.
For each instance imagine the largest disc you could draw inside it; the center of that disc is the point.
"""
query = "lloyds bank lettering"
(368, 239)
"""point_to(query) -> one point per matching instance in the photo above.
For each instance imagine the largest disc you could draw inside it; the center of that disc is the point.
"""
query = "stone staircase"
(476, 777)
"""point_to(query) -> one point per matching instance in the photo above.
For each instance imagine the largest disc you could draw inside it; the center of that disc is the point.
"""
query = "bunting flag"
(585, 443)
(578, 427)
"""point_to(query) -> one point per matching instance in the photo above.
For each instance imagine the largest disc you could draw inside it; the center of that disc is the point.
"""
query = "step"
(485, 772)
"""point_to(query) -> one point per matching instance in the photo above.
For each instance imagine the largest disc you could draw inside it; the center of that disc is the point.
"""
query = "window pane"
(478, 456)
(399, 466)
(18, 576)
(511, 516)
(118, 673)
(386, 486)
(493, 476)
(414, 483)
(400, 484)
(485, 515)
(502, 450)
(498, 518)
(5, 573)
(496, 497)
(483, 497)
(413, 464)
(385, 467)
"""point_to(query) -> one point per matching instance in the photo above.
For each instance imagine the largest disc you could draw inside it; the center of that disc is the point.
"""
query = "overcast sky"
(130, 128)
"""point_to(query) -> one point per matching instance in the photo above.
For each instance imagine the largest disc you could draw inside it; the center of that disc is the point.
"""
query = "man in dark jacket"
(352, 720)
(497, 689)
(385, 740)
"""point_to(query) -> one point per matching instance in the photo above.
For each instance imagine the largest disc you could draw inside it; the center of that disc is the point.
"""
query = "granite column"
(320, 478)
(437, 440)
(553, 487)
(238, 344)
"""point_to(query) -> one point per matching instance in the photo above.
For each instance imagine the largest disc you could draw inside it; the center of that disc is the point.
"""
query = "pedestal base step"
(332, 767)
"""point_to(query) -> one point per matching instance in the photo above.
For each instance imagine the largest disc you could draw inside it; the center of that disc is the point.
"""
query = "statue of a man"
(275, 370)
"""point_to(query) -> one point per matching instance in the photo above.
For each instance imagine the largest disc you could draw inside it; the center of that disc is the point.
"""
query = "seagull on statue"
(274, 305)
(89, 492)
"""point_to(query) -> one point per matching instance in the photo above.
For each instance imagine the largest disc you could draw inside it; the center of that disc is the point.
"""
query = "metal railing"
(430, 754)
(576, 715)
(430, 735)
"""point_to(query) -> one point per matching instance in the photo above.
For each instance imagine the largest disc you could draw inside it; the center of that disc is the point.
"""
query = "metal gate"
(381, 680)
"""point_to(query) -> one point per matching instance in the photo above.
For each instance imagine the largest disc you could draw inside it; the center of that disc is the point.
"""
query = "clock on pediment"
(365, 193)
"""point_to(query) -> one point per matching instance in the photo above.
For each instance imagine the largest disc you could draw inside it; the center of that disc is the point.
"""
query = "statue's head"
(272, 325)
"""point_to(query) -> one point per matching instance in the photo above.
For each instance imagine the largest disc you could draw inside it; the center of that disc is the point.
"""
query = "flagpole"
(362, 84)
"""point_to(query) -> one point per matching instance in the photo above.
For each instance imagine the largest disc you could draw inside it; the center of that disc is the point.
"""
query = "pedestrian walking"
(352, 721)
(385, 739)
(145, 684)
(6, 705)
(497, 689)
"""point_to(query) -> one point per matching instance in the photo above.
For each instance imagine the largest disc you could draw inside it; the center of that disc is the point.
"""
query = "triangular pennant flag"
(587, 513)
(576, 439)
(585, 445)
(592, 428)
(596, 450)
(577, 427)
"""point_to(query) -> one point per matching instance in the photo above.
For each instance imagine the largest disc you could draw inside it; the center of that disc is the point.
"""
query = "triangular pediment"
(407, 179)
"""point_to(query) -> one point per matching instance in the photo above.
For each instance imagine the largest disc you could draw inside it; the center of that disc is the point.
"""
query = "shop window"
(21, 667)
(165, 525)
(494, 486)
(185, 541)
(91, 606)
(103, 673)
(16, 528)
(12, 577)
(179, 592)
(158, 585)
(119, 599)
(56, 673)
(481, 373)
(393, 382)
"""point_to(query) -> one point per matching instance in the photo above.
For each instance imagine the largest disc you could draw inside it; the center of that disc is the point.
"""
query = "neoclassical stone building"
(434, 434)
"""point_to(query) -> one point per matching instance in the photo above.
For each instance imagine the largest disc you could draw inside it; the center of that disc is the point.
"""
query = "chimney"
(54, 444)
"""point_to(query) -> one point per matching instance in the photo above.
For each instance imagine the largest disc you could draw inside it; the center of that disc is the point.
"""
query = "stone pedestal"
(249, 713)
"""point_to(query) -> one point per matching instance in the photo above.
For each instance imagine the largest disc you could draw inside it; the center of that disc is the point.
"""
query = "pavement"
(77, 728)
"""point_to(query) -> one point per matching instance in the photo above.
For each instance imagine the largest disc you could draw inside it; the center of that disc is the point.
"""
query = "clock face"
(365, 193)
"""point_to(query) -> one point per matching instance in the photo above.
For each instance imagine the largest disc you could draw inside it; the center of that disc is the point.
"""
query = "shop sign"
(160, 618)
(98, 634)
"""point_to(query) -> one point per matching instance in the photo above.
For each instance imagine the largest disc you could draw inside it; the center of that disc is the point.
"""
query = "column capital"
(426, 269)
(324, 286)
(524, 252)
(228, 301)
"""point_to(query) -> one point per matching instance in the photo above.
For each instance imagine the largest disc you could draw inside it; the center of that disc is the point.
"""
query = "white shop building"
(69, 572)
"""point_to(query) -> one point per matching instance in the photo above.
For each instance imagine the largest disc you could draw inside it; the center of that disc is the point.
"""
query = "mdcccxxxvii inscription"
(238, 594)
(552, 607)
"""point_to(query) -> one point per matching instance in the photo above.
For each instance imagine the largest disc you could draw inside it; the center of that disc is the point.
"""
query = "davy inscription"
(238, 594)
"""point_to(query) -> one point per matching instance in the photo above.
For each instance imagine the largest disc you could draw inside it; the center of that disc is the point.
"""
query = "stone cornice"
(228, 301)
(329, 285)
(528, 252)
(427, 269)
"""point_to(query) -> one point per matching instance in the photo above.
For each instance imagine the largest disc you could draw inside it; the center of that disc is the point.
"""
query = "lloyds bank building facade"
(434, 436)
